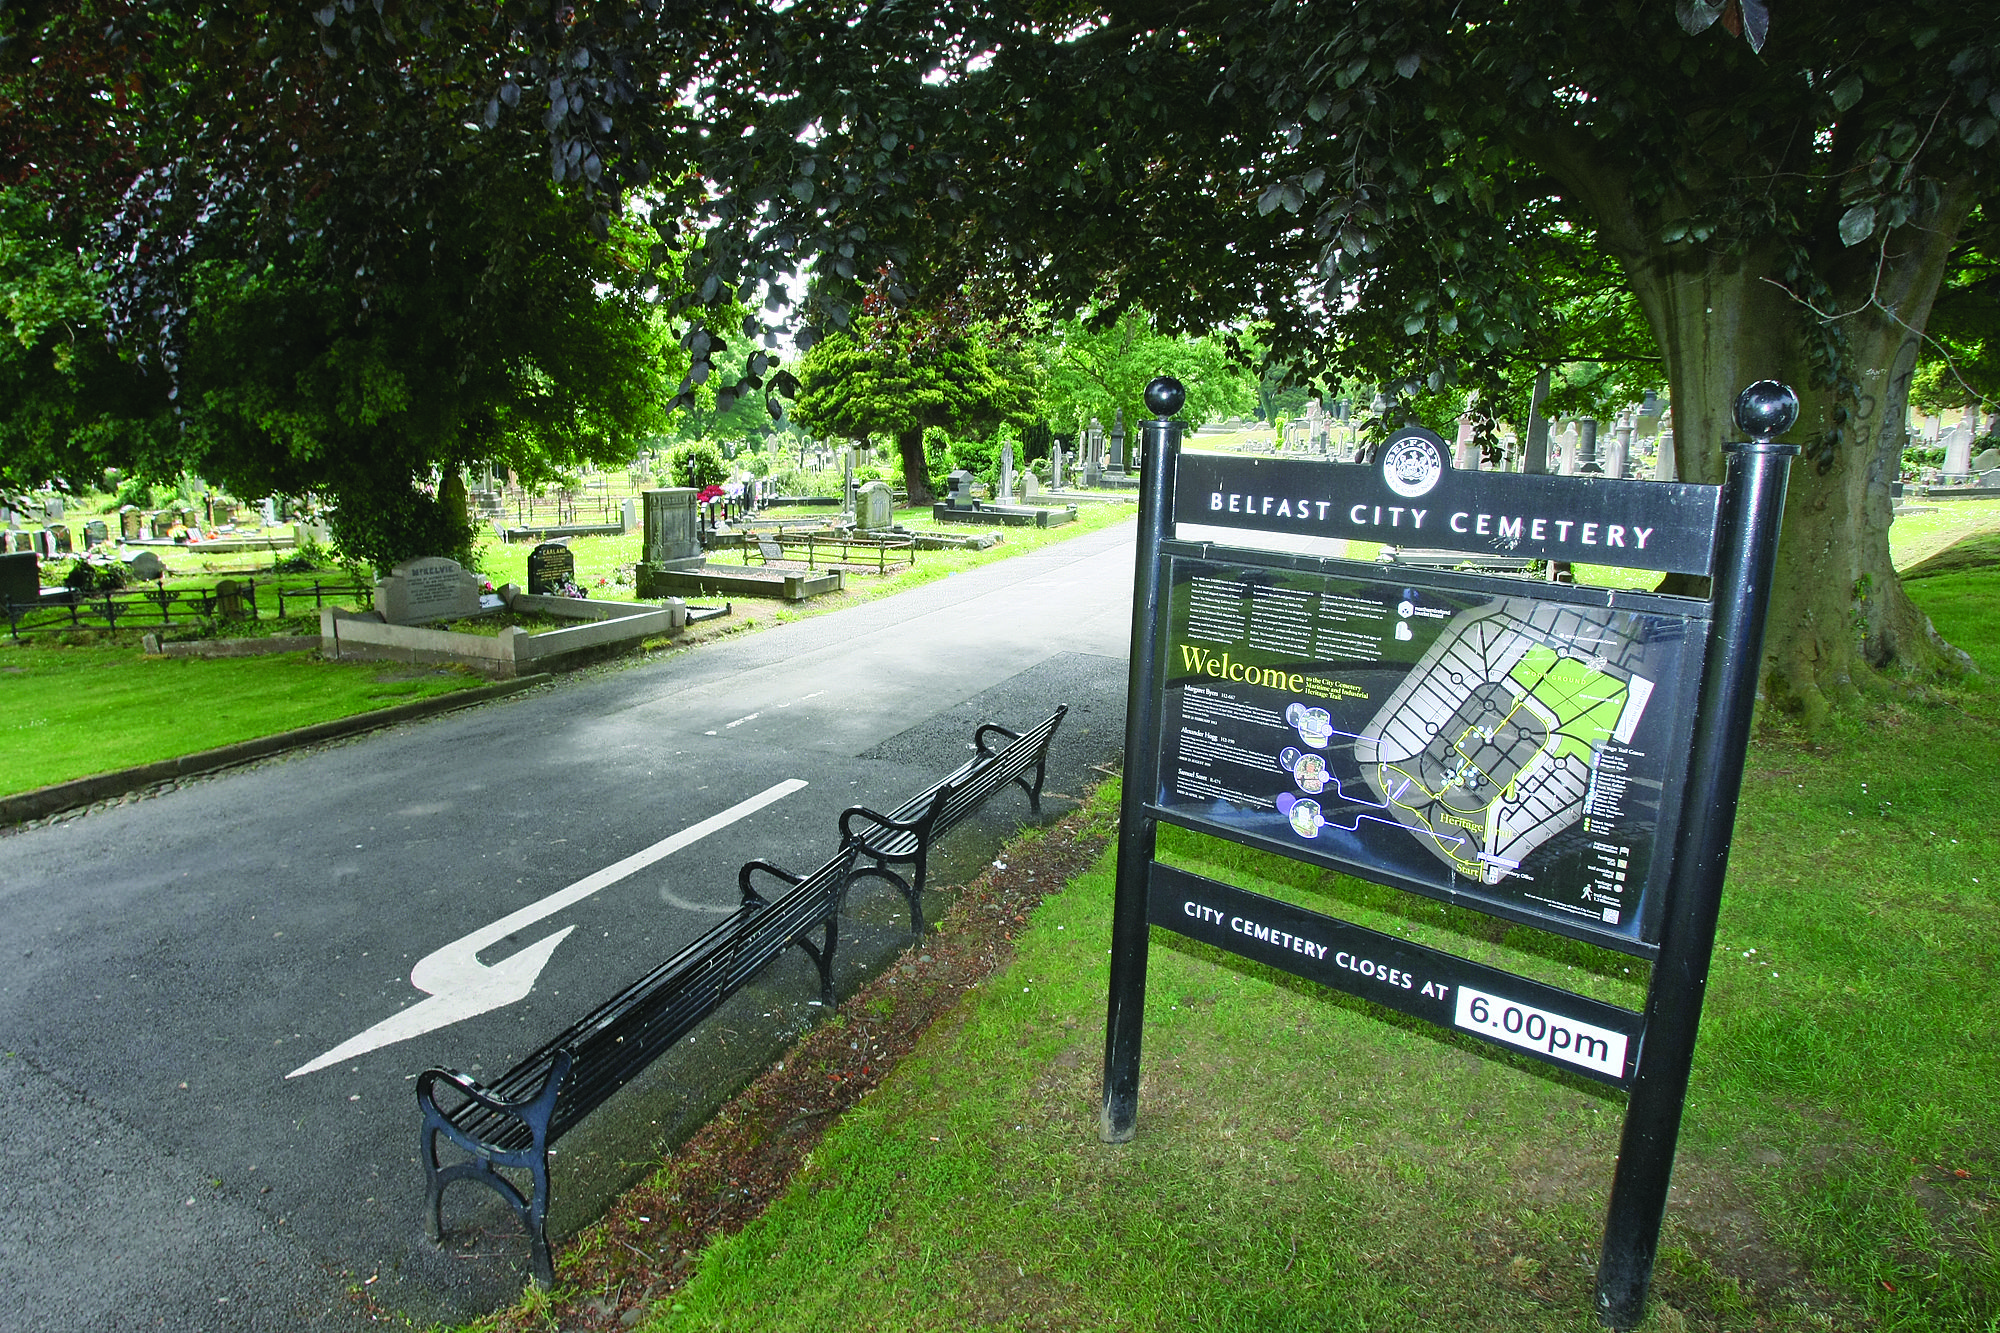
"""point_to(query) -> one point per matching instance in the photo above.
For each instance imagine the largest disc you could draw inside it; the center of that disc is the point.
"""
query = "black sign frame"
(1729, 533)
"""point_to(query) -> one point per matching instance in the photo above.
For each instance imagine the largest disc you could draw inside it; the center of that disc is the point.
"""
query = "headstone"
(1986, 460)
(1665, 468)
(628, 515)
(430, 588)
(1031, 487)
(1535, 450)
(59, 540)
(130, 523)
(1316, 432)
(1958, 451)
(1566, 450)
(229, 603)
(24, 540)
(1586, 447)
(220, 512)
(1118, 459)
(673, 534)
(267, 512)
(163, 524)
(1465, 451)
(1093, 453)
(1620, 458)
(960, 494)
(874, 507)
(20, 579)
(1006, 496)
(96, 531)
(147, 566)
(52, 508)
(847, 481)
(550, 566)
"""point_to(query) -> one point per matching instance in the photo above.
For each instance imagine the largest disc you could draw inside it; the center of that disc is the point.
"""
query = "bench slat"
(905, 836)
(553, 1088)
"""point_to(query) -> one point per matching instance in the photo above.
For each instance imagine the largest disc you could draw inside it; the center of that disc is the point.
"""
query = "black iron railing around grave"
(156, 604)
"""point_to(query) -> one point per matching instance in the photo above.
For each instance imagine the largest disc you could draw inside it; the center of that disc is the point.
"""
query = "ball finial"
(1767, 409)
(1164, 396)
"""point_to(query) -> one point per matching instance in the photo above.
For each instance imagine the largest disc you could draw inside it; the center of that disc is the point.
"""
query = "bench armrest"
(475, 1091)
(752, 898)
(979, 738)
(881, 821)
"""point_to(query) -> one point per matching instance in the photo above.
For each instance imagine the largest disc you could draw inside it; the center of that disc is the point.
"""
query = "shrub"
(697, 463)
(90, 576)
(135, 491)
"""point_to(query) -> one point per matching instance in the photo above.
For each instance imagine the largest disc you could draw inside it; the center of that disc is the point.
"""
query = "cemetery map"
(1512, 750)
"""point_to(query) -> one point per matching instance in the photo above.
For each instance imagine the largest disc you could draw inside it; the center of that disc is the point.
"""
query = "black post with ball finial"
(1137, 829)
(1753, 503)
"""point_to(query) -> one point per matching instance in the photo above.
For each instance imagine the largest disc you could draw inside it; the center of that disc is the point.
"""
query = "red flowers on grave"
(708, 493)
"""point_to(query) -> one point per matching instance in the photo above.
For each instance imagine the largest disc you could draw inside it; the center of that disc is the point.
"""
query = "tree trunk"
(916, 472)
(1839, 616)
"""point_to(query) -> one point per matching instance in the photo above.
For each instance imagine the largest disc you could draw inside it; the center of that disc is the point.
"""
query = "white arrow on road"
(460, 986)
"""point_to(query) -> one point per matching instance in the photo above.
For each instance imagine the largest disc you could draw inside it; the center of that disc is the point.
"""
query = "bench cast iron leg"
(912, 893)
(822, 956)
(535, 1114)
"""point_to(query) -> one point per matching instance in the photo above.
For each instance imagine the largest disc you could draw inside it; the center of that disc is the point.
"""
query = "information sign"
(1561, 756)
(1519, 748)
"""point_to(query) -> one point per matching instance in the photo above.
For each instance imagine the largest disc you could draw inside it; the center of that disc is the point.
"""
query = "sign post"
(1564, 757)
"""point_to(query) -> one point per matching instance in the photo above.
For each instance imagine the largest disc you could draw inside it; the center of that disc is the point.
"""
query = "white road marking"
(459, 986)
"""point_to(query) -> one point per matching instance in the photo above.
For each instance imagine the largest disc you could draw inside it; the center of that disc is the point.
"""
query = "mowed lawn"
(71, 711)
(1305, 1161)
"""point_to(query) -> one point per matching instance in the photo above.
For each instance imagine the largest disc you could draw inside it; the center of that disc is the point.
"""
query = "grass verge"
(96, 704)
(1308, 1162)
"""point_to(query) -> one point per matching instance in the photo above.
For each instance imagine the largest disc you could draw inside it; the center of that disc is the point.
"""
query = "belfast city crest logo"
(1412, 462)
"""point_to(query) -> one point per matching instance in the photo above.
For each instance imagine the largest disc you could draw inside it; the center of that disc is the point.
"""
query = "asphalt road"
(171, 962)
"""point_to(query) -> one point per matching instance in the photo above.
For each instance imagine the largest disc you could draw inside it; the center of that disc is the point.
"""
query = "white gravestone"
(432, 588)
(874, 509)
(1465, 451)
(1958, 451)
(1006, 472)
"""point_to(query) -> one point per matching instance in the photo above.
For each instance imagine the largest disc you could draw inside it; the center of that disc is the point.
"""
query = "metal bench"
(904, 836)
(512, 1121)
